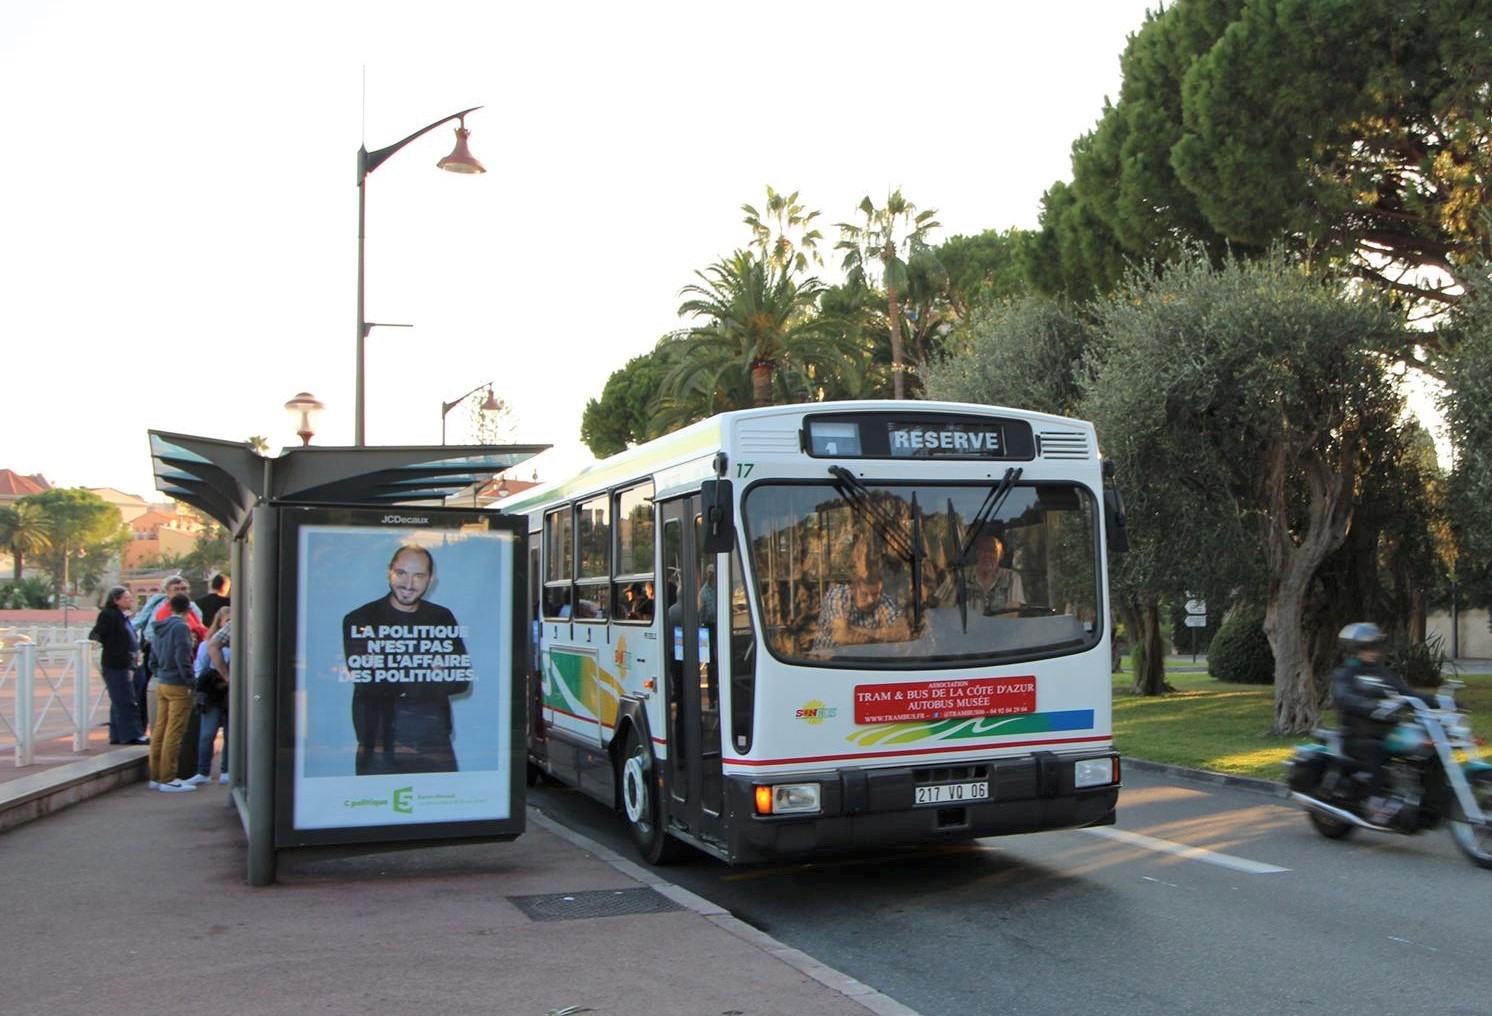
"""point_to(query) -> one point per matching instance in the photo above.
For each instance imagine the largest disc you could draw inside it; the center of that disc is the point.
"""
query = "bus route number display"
(966, 698)
(945, 439)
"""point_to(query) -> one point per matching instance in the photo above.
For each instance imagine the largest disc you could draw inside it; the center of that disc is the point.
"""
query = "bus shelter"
(375, 694)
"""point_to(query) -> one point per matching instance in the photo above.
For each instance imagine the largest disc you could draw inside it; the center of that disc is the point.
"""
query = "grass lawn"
(1207, 724)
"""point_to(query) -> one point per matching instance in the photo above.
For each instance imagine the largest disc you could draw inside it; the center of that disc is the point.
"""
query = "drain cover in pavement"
(594, 903)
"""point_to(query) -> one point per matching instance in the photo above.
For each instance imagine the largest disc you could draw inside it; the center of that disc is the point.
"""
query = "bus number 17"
(743, 469)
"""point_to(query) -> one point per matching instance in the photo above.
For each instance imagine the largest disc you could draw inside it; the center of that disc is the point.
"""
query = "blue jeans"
(141, 678)
(124, 710)
(213, 717)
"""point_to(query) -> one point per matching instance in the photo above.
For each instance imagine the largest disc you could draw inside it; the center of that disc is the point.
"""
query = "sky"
(178, 193)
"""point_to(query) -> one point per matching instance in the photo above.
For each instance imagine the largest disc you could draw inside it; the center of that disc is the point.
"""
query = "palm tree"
(778, 246)
(877, 243)
(759, 324)
(25, 529)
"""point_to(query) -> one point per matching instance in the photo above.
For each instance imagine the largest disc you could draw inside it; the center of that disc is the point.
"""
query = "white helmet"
(1360, 635)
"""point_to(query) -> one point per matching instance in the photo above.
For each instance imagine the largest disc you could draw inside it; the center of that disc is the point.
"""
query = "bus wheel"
(640, 802)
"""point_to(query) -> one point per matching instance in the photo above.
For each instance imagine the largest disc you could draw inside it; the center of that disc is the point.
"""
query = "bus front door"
(693, 692)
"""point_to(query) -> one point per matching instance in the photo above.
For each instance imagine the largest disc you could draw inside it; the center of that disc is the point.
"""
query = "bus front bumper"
(866, 808)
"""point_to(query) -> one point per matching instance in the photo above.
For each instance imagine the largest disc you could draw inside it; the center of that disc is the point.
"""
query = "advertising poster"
(403, 695)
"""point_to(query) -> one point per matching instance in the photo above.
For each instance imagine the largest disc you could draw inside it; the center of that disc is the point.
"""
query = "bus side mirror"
(718, 515)
(1113, 522)
(1113, 511)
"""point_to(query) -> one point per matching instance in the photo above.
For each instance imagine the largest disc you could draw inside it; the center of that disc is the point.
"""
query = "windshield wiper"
(992, 503)
(955, 559)
(908, 548)
(858, 496)
(993, 500)
(917, 554)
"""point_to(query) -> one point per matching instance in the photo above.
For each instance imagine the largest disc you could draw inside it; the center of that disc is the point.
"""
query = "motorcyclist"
(1365, 692)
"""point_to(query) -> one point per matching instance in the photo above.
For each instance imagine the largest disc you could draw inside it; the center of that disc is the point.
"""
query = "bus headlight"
(787, 799)
(1095, 772)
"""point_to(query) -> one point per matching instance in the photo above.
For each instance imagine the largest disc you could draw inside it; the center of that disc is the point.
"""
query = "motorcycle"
(1433, 777)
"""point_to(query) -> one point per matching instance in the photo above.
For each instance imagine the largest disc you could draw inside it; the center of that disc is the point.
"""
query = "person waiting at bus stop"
(173, 691)
(120, 649)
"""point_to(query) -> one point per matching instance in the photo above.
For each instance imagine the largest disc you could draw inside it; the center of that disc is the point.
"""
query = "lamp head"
(303, 410)
(493, 403)
(461, 160)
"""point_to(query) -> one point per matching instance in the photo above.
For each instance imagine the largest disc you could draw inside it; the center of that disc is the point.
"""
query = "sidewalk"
(135, 903)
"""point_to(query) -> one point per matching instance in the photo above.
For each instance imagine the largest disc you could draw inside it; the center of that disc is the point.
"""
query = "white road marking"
(1144, 842)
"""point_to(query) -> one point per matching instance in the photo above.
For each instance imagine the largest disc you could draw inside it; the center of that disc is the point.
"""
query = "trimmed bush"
(1240, 651)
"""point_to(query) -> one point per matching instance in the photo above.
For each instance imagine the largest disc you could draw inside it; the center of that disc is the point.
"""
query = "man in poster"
(406, 658)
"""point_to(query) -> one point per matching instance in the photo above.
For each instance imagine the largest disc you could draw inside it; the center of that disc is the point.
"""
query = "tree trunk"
(761, 383)
(1147, 648)
(1295, 553)
(898, 389)
(1295, 706)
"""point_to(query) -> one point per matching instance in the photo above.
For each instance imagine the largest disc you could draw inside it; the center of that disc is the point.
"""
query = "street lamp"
(491, 405)
(303, 410)
(459, 161)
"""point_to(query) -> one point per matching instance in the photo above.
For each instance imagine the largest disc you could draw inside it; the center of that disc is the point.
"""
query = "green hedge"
(1240, 652)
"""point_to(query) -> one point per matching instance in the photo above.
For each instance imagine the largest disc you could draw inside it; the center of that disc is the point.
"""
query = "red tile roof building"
(14, 486)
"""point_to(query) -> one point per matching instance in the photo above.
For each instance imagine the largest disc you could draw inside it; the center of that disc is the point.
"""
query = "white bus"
(805, 629)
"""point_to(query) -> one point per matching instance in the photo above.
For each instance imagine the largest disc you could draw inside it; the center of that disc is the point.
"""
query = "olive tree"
(1267, 377)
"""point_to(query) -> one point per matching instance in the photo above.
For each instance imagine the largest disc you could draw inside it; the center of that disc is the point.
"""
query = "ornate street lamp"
(459, 161)
(304, 410)
(491, 405)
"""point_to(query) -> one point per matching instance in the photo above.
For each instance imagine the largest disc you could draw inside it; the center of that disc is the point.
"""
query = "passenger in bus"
(707, 601)
(858, 612)
(637, 602)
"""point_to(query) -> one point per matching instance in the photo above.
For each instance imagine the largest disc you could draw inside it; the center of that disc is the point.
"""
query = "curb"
(39, 794)
(844, 984)
(1272, 787)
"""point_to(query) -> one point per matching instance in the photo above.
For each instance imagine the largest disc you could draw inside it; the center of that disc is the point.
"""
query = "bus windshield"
(903, 575)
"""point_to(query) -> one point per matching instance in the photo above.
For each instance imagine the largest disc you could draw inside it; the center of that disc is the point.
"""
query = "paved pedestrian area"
(135, 902)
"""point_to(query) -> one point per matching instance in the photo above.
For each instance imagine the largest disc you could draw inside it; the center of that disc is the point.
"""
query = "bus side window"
(593, 560)
(559, 561)
(633, 593)
(557, 601)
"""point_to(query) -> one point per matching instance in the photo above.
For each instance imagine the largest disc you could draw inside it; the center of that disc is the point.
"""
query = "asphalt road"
(1203, 899)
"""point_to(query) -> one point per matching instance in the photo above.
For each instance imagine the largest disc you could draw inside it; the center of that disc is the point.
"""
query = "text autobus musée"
(804, 629)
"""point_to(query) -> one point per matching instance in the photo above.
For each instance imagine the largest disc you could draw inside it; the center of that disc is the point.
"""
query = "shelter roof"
(226, 479)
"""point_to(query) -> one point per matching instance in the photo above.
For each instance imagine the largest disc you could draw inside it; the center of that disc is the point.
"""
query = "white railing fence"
(12, 635)
(46, 691)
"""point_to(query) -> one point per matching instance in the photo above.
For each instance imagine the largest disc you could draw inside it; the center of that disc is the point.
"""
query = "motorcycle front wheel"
(1475, 840)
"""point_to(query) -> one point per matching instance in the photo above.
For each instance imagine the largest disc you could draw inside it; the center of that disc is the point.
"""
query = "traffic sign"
(1196, 620)
(1196, 606)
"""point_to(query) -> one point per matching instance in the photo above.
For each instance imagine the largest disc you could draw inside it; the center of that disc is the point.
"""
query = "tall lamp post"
(459, 161)
(490, 406)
